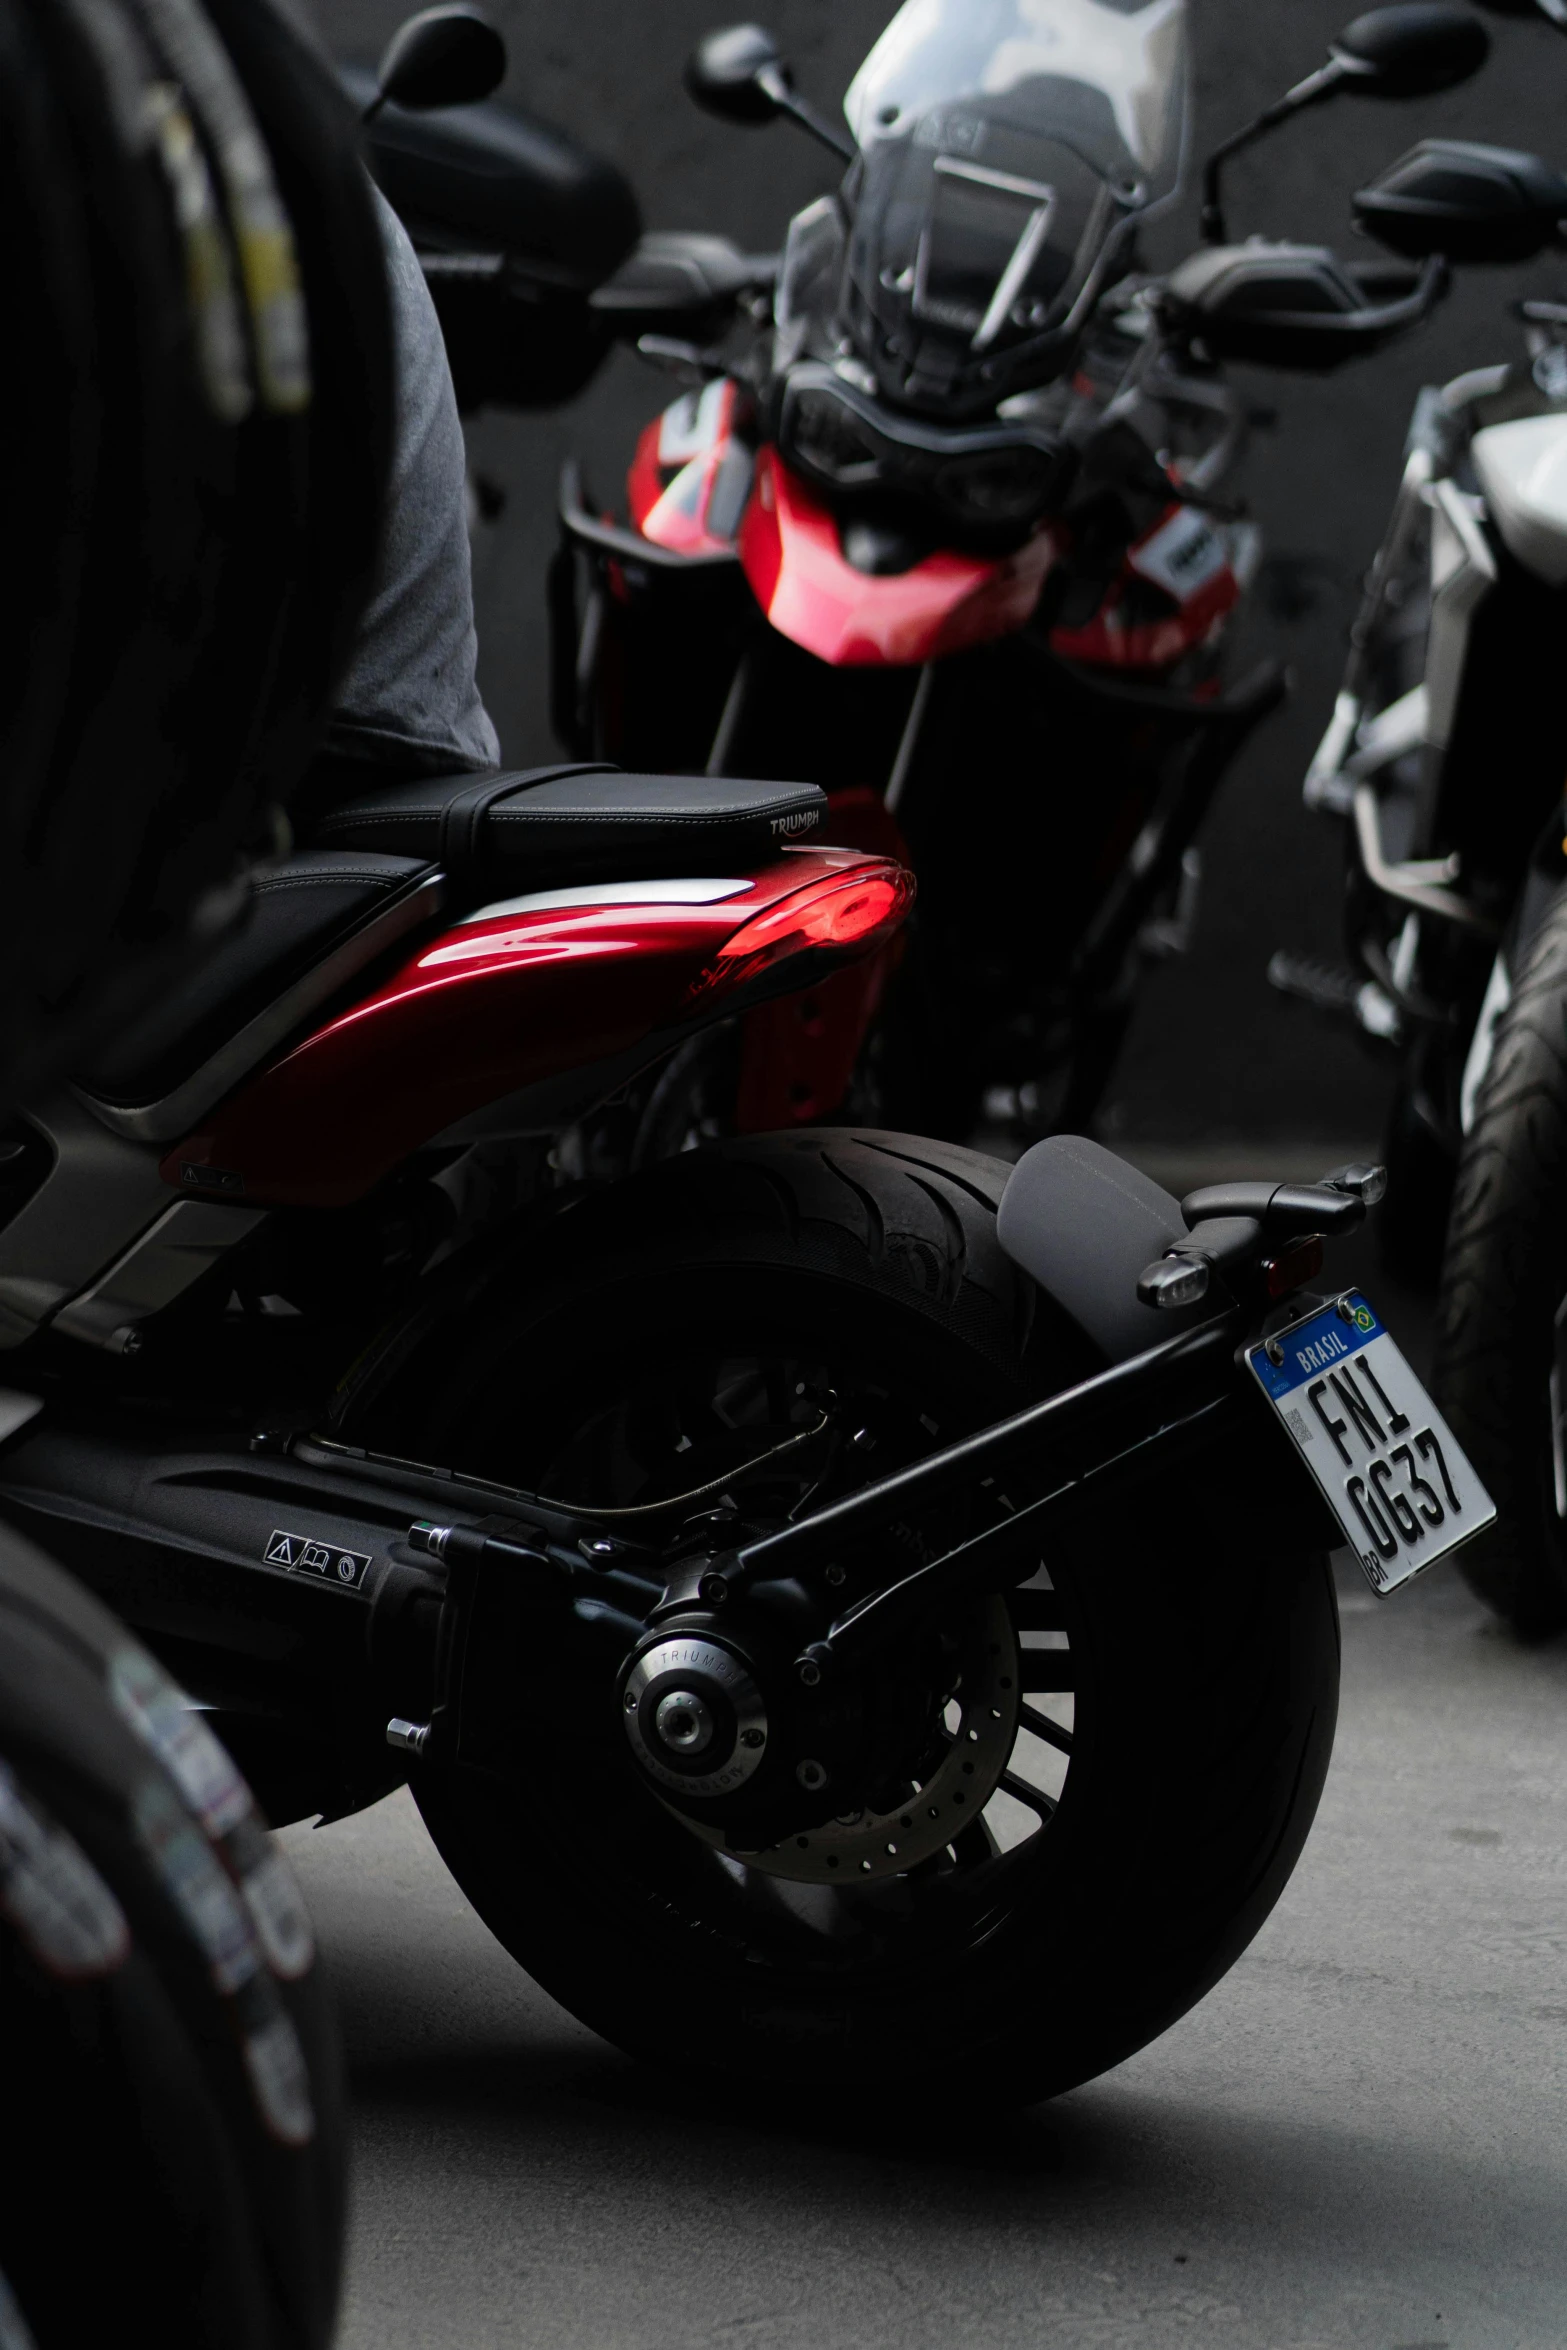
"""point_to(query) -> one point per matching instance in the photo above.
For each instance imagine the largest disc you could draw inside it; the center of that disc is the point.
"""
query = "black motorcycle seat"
(499, 833)
(314, 923)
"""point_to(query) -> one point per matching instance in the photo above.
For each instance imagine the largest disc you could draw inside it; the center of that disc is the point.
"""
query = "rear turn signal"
(1293, 1266)
(843, 912)
(1173, 1281)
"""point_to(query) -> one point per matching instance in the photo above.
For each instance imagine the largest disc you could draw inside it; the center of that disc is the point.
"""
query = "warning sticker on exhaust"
(306, 1554)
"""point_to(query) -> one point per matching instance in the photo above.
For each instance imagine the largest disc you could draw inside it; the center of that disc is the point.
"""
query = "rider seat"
(494, 834)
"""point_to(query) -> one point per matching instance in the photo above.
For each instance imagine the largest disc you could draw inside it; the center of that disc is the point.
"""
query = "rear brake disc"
(866, 1845)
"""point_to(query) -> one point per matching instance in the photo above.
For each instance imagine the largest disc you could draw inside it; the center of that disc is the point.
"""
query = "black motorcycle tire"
(113, 654)
(259, 2039)
(108, 2114)
(1504, 1279)
(198, 575)
(1214, 1641)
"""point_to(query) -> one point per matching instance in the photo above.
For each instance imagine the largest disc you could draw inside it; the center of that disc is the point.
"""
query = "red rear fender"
(518, 995)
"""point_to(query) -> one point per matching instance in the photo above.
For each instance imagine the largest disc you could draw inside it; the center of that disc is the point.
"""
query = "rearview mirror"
(1411, 52)
(741, 75)
(1405, 52)
(1466, 202)
(446, 56)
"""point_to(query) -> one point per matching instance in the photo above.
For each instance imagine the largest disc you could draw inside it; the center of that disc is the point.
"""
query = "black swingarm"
(1151, 1411)
(325, 1597)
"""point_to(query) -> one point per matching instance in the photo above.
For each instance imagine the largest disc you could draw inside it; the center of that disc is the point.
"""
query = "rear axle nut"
(694, 1715)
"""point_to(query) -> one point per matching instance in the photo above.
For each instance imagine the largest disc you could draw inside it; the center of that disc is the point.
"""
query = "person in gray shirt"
(410, 702)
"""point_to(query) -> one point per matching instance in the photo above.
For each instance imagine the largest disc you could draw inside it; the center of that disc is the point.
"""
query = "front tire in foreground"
(1178, 1664)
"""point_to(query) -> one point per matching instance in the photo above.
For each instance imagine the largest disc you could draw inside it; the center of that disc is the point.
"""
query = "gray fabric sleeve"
(410, 697)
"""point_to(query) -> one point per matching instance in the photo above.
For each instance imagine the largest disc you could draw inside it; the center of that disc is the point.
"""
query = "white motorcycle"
(1445, 760)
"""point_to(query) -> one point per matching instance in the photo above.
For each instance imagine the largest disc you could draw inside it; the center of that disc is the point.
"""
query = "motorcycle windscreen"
(1109, 77)
(1008, 145)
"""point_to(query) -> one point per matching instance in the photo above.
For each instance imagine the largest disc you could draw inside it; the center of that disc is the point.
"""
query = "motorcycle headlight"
(997, 485)
(828, 439)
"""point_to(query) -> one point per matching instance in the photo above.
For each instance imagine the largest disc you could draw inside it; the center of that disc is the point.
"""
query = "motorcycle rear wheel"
(1134, 1847)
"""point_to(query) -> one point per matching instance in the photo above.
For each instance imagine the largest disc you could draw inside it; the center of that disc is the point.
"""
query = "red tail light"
(841, 912)
(1294, 1266)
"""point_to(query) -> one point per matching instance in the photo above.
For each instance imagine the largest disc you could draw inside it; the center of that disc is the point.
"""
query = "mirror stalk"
(1408, 51)
(1310, 92)
(774, 83)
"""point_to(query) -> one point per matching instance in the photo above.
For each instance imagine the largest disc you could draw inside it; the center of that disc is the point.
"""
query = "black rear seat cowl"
(556, 823)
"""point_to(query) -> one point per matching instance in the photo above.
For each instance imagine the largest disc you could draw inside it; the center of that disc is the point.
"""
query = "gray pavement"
(1355, 2143)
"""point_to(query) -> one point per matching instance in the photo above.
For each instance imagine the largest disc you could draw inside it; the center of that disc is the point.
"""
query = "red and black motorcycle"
(948, 519)
(828, 1592)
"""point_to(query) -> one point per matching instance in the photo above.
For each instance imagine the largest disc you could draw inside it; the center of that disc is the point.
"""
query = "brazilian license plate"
(1388, 1464)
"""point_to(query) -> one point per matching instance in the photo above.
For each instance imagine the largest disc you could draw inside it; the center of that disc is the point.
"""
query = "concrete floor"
(1356, 2140)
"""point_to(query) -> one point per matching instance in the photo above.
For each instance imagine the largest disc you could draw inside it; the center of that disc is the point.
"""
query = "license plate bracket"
(1386, 1462)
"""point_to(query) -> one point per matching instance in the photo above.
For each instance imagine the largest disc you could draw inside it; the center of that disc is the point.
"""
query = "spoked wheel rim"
(888, 1883)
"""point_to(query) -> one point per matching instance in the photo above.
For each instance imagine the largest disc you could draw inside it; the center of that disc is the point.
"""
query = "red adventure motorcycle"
(955, 481)
(955, 473)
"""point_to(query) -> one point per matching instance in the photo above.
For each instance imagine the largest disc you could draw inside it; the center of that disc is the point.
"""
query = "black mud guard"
(1084, 1225)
